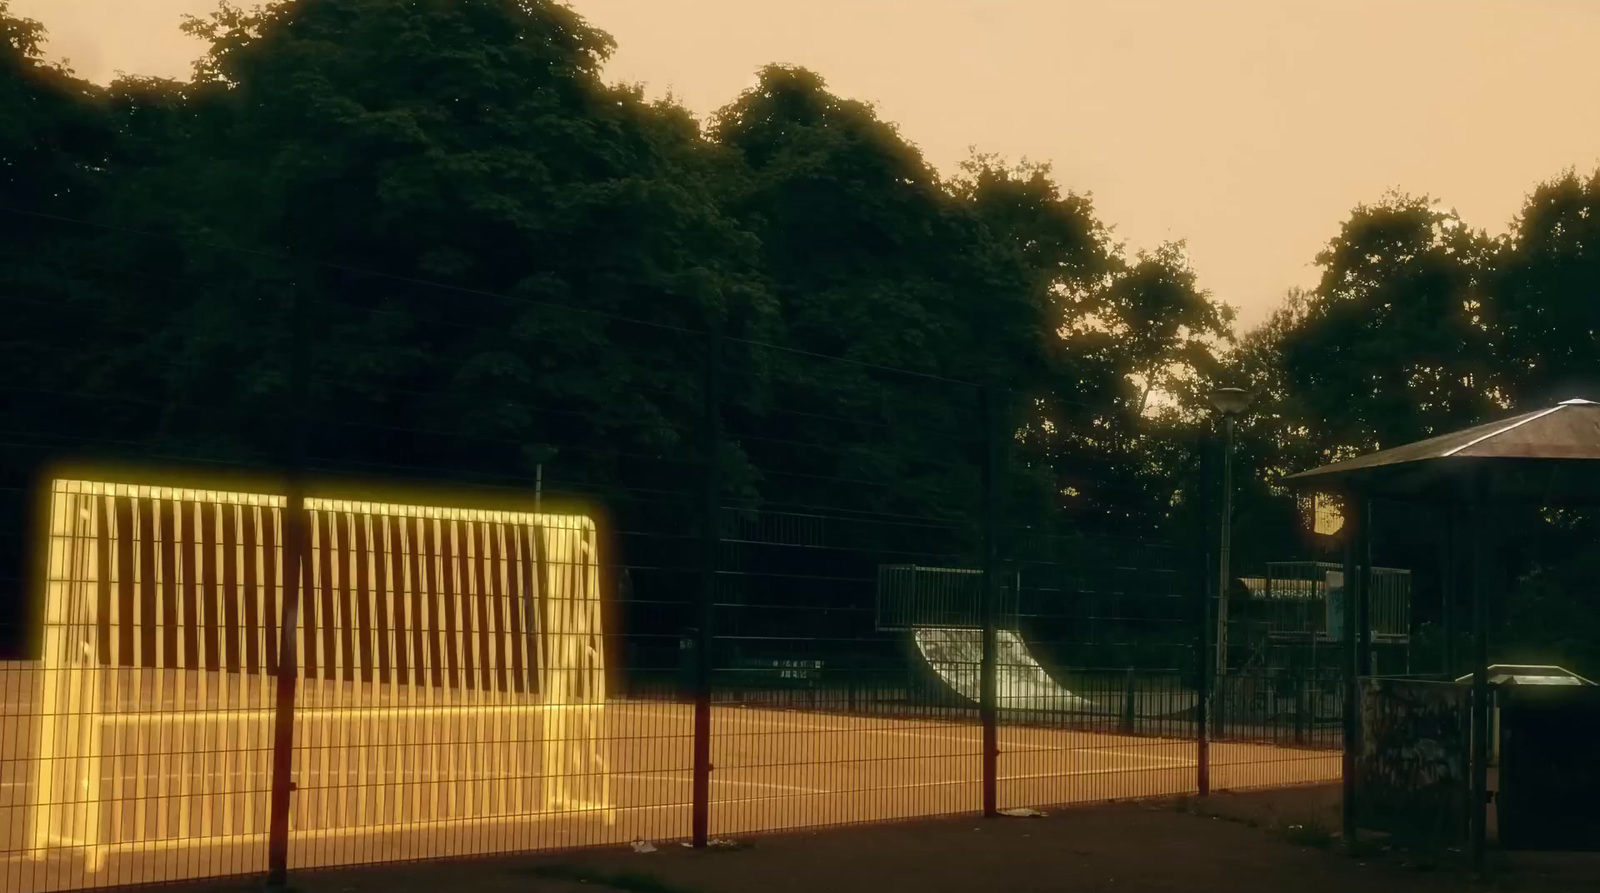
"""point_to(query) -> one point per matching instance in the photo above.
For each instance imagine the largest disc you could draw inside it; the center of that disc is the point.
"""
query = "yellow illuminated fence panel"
(450, 671)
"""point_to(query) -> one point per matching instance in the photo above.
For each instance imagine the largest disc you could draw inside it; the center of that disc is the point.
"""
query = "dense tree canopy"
(1546, 301)
(1421, 325)
(506, 262)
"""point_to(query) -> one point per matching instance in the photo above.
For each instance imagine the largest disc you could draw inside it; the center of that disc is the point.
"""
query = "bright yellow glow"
(1327, 514)
(450, 668)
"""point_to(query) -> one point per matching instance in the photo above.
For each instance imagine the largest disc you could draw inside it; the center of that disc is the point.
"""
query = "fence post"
(709, 539)
(1203, 659)
(294, 547)
(1354, 519)
(989, 676)
(1127, 702)
(1219, 702)
(852, 668)
(1302, 697)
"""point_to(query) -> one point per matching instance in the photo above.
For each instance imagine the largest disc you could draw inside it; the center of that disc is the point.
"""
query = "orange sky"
(1247, 127)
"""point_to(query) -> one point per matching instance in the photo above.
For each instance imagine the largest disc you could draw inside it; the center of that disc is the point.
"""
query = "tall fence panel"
(541, 600)
(829, 710)
(1288, 654)
(1097, 694)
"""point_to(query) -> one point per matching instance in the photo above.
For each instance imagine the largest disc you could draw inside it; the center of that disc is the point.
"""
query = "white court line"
(1027, 777)
(1004, 746)
(817, 727)
(733, 781)
(931, 784)
(800, 727)
(929, 736)
(1033, 775)
(1175, 761)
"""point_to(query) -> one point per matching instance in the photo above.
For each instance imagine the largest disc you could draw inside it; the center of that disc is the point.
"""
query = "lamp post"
(1231, 402)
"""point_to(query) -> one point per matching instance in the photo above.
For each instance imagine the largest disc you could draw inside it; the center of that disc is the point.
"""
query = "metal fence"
(332, 626)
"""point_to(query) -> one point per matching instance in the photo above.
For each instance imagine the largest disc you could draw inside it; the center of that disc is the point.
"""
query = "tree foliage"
(511, 263)
(1546, 305)
(1421, 325)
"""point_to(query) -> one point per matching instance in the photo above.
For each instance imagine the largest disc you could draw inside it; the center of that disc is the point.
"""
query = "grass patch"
(630, 881)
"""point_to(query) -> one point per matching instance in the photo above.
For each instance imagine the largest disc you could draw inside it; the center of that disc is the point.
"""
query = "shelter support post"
(1478, 811)
(1350, 621)
(1360, 593)
(1449, 595)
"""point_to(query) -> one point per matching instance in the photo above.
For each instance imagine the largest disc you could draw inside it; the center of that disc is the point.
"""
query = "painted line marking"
(733, 781)
(973, 732)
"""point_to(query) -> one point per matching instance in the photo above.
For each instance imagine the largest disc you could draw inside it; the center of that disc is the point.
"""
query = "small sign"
(794, 670)
(1333, 585)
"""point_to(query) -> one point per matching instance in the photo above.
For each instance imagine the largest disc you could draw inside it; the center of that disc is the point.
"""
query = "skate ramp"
(956, 657)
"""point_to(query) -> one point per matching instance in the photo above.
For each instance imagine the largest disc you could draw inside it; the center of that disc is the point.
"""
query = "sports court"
(772, 770)
(776, 769)
(453, 697)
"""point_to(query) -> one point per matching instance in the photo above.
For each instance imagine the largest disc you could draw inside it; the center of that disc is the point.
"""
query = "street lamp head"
(1230, 401)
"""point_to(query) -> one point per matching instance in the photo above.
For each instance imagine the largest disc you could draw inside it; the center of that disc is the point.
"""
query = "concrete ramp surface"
(956, 657)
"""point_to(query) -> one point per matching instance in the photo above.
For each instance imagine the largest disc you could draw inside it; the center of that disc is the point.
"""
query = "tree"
(54, 146)
(1096, 337)
(507, 263)
(1050, 258)
(1394, 346)
(1545, 308)
(995, 276)
(53, 133)
(471, 213)
(870, 261)
(1421, 326)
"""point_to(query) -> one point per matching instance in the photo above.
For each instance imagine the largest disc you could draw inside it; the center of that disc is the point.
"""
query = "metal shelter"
(1547, 457)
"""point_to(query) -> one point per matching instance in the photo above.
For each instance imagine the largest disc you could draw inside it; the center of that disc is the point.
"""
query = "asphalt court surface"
(772, 770)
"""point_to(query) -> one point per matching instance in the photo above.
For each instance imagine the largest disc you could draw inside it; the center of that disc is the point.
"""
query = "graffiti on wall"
(1412, 767)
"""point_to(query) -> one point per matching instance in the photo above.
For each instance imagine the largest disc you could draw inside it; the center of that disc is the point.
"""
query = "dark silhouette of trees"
(511, 263)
